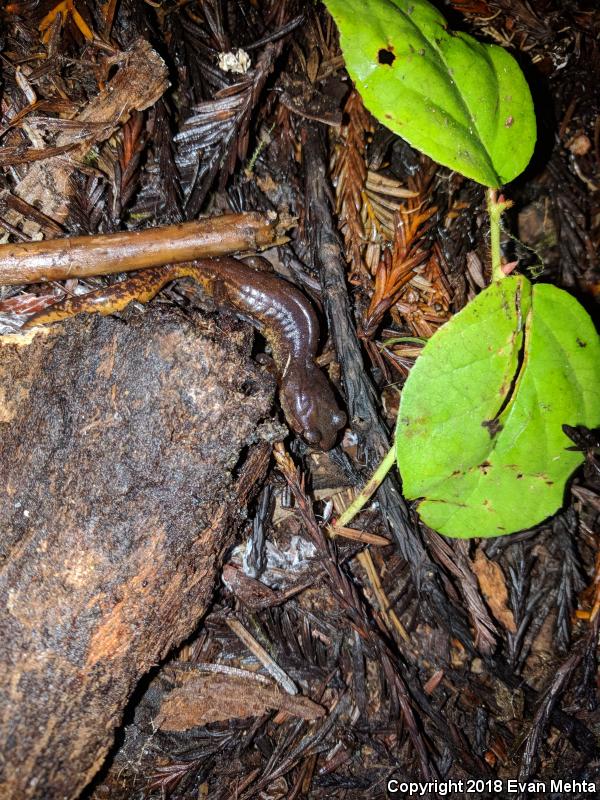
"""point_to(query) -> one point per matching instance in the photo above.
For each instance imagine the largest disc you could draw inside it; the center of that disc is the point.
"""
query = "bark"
(117, 445)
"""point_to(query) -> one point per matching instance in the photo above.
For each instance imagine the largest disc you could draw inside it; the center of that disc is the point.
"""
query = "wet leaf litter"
(424, 660)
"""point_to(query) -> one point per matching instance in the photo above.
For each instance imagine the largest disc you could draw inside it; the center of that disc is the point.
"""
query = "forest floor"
(429, 658)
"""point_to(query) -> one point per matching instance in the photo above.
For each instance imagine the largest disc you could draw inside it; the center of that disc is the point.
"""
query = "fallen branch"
(105, 254)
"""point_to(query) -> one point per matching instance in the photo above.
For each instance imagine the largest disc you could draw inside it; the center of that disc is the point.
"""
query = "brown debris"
(141, 78)
(493, 588)
(349, 174)
(203, 698)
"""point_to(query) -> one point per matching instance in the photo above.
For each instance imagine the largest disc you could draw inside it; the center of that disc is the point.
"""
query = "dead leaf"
(493, 587)
(203, 698)
(140, 80)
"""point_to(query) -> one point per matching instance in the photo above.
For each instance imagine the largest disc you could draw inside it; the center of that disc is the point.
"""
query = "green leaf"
(463, 103)
(479, 433)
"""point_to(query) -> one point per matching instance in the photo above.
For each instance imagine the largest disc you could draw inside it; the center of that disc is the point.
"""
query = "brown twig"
(126, 251)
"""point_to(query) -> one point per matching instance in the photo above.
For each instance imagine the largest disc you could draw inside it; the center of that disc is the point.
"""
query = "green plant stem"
(496, 207)
(368, 490)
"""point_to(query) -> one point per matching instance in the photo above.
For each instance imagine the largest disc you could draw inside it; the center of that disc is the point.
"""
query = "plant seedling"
(479, 438)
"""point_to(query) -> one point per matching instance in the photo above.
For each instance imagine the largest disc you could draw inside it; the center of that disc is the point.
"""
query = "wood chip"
(493, 587)
(212, 697)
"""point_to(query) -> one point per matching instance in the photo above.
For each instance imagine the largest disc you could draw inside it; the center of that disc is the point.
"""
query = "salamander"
(278, 309)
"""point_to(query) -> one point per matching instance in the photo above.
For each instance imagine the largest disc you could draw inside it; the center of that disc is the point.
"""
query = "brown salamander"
(280, 311)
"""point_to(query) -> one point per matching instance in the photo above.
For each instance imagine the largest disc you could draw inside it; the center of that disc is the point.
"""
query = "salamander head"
(310, 406)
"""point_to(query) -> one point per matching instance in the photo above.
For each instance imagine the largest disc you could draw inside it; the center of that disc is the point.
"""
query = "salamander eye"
(312, 436)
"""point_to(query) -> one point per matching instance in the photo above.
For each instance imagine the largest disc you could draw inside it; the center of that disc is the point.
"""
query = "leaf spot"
(493, 427)
(581, 343)
(386, 56)
(484, 467)
(509, 122)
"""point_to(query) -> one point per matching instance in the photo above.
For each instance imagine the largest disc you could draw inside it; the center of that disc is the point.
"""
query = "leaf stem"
(496, 206)
(368, 490)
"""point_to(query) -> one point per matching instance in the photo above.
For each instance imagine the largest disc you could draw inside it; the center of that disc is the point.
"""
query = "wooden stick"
(104, 254)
